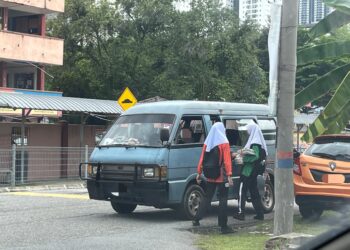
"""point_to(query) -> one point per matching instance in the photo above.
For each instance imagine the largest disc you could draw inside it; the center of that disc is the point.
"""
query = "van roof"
(199, 107)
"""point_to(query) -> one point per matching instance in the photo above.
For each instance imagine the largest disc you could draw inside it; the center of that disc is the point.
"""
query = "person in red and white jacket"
(216, 137)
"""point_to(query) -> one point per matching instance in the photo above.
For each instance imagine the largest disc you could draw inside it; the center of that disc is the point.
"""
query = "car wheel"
(192, 199)
(268, 198)
(310, 212)
(123, 208)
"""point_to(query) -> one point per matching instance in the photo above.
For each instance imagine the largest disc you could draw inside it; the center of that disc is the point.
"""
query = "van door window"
(268, 128)
(236, 131)
(191, 130)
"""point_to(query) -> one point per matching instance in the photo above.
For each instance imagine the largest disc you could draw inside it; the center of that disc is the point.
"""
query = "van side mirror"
(98, 137)
(164, 134)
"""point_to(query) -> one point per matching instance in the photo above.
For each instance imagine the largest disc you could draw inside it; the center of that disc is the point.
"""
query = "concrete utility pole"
(284, 190)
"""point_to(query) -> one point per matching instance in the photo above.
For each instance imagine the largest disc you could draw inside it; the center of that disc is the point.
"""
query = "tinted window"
(330, 149)
(236, 132)
(191, 130)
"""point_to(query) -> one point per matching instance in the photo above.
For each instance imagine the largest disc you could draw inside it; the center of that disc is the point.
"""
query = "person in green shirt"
(253, 153)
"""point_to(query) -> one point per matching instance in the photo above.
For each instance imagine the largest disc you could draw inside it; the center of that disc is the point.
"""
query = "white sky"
(182, 5)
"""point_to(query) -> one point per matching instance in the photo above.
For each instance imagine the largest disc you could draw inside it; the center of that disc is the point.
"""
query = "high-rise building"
(312, 11)
(184, 5)
(25, 49)
(255, 10)
(227, 3)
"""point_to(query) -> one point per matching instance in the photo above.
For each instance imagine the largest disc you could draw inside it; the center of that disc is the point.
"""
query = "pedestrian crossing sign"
(127, 99)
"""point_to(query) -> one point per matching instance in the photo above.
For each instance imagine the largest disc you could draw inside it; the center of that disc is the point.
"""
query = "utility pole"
(284, 189)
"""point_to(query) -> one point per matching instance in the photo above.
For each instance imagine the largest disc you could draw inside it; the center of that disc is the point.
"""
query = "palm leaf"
(341, 5)
(323, 52)
(337, 107)
(321, 86)
(331, 22)
(340, 122)
(336, 125)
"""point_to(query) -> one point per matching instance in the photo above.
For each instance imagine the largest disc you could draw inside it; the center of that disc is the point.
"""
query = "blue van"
(149, 155)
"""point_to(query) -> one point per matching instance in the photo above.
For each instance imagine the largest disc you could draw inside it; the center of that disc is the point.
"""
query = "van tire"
(192, 198)
(268, 199)
(310, 212)
(123, 208)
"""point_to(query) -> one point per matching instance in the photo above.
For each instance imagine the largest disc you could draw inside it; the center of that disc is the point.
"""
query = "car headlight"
(148, 172)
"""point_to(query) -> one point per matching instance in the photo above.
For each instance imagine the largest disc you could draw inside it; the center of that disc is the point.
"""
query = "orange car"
(322, 176)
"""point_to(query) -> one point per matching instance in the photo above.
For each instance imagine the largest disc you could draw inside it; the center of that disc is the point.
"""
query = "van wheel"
(193, 197)
(310, 212)
(123, 208)
(268, 199)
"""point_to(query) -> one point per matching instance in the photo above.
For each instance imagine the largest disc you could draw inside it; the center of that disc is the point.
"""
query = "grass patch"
(239, 241)
(256, 236)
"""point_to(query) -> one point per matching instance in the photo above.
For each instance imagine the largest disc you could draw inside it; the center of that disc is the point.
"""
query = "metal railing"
(24, 165)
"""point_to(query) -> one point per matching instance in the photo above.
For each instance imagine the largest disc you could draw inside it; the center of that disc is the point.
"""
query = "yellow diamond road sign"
(127, 99)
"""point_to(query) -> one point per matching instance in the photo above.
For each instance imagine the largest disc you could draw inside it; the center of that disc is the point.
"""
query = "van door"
(268, 128)
(237, 136)
(185, 151)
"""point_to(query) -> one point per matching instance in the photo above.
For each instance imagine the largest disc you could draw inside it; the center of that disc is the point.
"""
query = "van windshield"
(138, 130)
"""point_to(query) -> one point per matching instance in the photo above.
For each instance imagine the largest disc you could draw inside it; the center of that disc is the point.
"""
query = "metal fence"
(23, 165)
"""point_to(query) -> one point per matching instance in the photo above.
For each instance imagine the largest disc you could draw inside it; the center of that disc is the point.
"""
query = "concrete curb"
(43, 187)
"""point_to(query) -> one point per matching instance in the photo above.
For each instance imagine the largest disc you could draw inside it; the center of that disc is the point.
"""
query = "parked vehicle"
(322, 176)
(149, 156)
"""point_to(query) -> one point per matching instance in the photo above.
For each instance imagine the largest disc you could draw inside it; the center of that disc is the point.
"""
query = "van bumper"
(141, 193)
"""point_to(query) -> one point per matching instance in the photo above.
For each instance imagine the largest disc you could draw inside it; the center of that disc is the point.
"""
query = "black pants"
(249, 183)
(222, 195)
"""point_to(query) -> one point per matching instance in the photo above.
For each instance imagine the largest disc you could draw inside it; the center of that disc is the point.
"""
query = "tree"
(336, 114)
(155, 49)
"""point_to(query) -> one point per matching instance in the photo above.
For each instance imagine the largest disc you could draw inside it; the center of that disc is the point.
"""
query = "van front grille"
(118, 172)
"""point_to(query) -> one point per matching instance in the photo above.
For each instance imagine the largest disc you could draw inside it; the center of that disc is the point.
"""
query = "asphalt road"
(67, 219)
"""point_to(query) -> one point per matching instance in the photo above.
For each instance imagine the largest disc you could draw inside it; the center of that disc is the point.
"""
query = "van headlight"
(154, 172)
(148, 172)
(91, 170)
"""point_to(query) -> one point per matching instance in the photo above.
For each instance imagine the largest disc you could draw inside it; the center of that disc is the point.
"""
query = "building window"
(25, 24)
(1, 18)
(24, 81)
(16, 136)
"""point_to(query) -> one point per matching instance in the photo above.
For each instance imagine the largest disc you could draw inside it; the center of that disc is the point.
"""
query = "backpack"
(211, 163)
(260, 164)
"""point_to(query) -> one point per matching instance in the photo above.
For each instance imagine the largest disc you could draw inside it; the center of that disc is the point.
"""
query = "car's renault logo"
(332, 165)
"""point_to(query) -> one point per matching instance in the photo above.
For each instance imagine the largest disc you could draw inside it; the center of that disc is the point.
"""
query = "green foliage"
(336, 114)
(341, 5)
(155, 49)
(327, 51)
(321, 86)
(328, 24)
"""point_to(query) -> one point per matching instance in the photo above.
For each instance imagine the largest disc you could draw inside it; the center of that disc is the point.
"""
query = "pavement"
(42, 186)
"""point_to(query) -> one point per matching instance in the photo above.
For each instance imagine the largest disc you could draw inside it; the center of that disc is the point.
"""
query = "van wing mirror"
(164, 134)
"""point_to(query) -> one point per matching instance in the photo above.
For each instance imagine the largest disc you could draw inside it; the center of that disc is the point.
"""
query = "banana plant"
(336, 114)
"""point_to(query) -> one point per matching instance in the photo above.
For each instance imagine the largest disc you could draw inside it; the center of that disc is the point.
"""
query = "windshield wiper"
(131, 145)
(325, 155)
(344, 157)
(113, 145)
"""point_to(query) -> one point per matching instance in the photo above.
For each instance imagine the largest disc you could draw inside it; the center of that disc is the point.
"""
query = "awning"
(59, 103)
